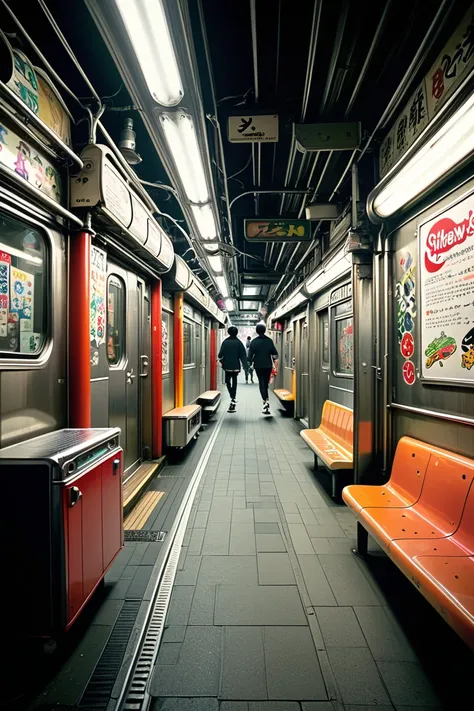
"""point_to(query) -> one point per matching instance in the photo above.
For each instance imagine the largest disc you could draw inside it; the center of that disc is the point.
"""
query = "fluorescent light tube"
(449, 146)
(216, 263)
(251, 291)
(148, 31)
(222, 286)
(229, 304)
(182, 141)
(205, 221)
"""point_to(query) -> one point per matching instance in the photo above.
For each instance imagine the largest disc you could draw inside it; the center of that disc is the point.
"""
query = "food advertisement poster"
(98, 287)
(447, 295)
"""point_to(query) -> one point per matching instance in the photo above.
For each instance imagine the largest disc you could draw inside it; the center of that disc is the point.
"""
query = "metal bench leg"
(362, 542)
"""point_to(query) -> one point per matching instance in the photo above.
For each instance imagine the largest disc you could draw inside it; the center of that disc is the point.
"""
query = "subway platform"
(268, 608)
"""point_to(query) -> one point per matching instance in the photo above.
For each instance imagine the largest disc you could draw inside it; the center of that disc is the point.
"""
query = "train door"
(321, 391)
(167, 365)
(303, 389)
(202, 365)
(127, 358)
(207, 355)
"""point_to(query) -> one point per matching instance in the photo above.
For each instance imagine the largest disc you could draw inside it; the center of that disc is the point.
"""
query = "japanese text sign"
(253, 129)
(277, 230)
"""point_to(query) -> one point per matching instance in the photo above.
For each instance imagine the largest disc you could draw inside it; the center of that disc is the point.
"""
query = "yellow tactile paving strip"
(142, 511)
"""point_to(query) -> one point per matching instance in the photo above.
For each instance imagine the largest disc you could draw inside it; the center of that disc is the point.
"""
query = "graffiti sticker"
(406, 314)
(408, 371)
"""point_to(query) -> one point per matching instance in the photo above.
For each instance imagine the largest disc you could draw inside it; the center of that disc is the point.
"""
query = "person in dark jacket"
(231, 356)
(249, 370)
(263, 355)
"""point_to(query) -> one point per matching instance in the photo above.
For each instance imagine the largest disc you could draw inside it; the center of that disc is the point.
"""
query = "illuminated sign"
(277, 230)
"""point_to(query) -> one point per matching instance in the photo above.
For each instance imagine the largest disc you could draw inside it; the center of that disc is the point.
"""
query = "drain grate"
(98, 690)
(144, 536)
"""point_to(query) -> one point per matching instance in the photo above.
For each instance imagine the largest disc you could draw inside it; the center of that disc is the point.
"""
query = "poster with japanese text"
(165, 345)
(98, 287)
(21, 297)
(5, 262)
(446, 246)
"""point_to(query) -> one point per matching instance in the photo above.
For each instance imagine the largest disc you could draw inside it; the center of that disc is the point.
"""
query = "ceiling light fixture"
(211, 246)
(205, 221)
(446, 150)
(182, 141)
(251, 291)
(229, 304)
(222, 286)
(216, 264)
(147, 28)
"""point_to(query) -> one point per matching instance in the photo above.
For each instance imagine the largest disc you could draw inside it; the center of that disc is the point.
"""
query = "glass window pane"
(115, 320)
(344, 339)
(325, 339)
(165, 343)
(24, 297)
(187, 343)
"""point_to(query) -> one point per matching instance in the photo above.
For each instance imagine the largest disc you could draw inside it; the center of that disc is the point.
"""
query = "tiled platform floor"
(270, 610)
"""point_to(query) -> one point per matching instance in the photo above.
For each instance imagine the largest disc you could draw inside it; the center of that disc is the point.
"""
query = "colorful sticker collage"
(406, 314)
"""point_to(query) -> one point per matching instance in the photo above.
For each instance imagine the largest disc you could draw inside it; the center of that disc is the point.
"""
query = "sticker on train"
(408, 370)
(98, 284)
(407, 345)
(446, 245)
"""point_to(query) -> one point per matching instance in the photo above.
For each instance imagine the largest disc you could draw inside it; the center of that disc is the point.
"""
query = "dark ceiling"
(306, 60)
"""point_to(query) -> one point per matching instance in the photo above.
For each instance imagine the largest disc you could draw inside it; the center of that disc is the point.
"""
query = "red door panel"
(112, 529)
(92, 565)
(73, 532)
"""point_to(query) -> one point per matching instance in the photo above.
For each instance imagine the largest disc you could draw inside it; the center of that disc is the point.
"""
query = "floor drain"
(144, 536)
(101, 683)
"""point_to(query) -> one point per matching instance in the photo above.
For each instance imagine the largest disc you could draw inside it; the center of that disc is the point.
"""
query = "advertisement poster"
(21, 297)
(97, 301)
(5, 262)
(447, 294)
(165, 346)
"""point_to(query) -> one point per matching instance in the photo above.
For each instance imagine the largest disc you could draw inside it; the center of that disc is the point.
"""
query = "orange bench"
(424, 520)
(332, 441)
(286, 397)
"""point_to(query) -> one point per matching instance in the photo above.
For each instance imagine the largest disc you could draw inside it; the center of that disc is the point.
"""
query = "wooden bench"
(424, 520)
(181, 425)
(210, 401)
(332, 441)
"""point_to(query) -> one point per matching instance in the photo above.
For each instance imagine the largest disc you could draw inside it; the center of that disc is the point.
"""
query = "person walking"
(249, 370)
(263, 355)
(231, 356)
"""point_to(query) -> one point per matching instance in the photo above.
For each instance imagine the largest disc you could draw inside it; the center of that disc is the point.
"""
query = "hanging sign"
(252, 129)
(277, 230)
(23, 159)
(446, 248)
(452, 65)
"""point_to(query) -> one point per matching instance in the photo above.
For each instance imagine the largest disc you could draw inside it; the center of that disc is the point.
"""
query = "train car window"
(344, 345)
(325, 340)
(115, 320)
(24, 293)
(188, 341)
(165, 343)
(287, 350)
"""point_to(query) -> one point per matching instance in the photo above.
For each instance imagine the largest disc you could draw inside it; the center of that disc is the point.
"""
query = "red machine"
(61, 525)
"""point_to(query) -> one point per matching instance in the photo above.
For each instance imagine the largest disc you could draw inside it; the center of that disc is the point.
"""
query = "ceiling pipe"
(256, 148)
(277, 191)
(219, 133)
(313, 41)
(429, 39)
(355, 92)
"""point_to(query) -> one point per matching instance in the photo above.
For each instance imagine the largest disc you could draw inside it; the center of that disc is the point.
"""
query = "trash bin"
(61, 526)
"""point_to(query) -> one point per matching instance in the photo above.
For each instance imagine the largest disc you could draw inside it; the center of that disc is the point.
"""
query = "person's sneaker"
(266, 408)
(231, 406)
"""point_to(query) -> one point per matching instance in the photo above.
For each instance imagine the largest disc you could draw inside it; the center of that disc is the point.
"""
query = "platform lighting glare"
(216, 264)
(205, 221)
(448, 147)
(147, 29)
(182, 141)
(21, 255)
(229, 304)
(222, 286)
